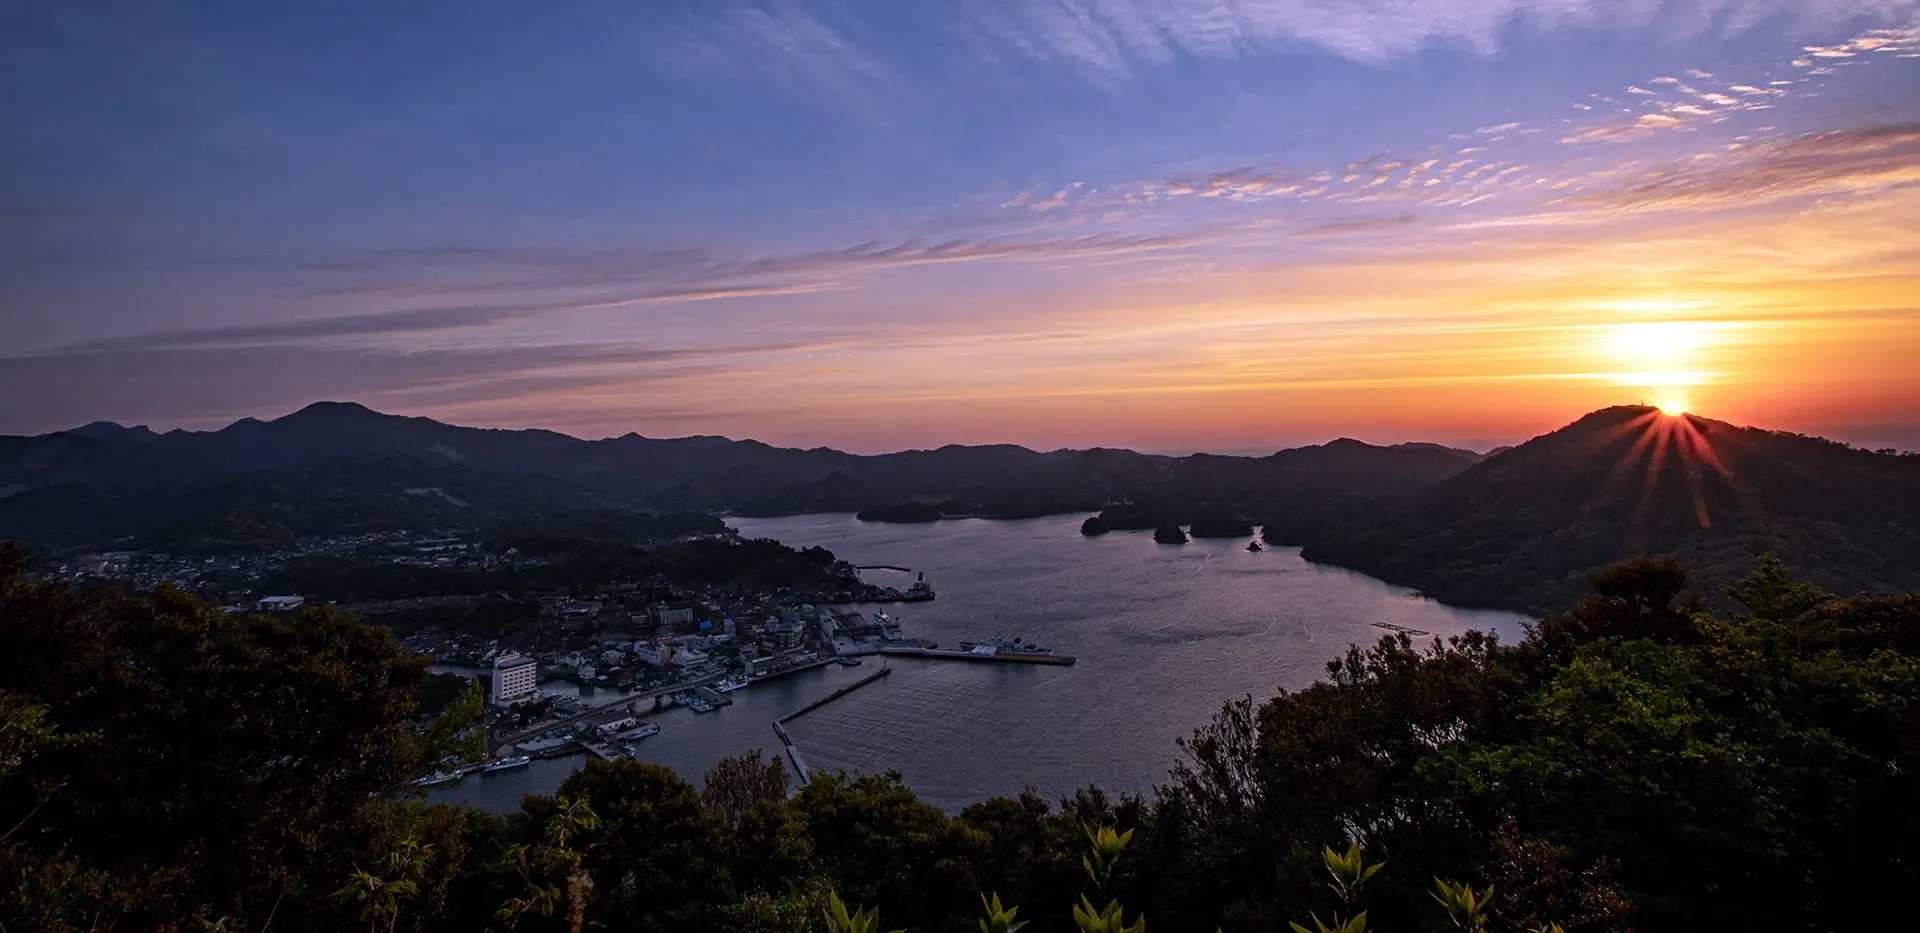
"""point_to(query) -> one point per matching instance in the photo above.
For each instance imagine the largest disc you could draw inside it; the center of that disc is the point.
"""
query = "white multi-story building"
(657, 654)
(515, 679)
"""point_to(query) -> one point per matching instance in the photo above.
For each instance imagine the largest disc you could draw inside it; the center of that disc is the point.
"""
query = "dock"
(780, 725)
(793, 754)
(541, 728)
(1008, 658)
(829, 698)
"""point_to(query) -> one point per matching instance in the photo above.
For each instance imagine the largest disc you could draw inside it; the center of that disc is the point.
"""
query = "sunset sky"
(1172, 225)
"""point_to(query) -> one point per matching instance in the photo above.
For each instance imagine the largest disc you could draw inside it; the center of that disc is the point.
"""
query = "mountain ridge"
(1524, 528)
(699, 472)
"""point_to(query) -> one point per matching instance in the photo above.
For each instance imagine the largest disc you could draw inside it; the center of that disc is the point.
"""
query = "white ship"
(508, 764)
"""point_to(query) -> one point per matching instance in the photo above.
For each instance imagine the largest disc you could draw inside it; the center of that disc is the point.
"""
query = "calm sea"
(1164, 634)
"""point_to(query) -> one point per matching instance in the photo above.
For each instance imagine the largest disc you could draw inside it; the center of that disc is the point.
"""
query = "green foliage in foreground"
(1635, 763)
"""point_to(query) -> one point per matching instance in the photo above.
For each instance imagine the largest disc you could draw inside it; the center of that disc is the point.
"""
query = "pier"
(780, 725)
(793, 754)
(643, 696)
(884, 567)
(1002, 657)
(829, 698)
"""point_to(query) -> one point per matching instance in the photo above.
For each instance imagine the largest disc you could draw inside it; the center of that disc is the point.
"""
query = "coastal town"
(596, 697)
(568, 669)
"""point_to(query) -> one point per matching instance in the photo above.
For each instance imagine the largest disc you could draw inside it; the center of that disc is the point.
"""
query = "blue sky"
(1174, 224)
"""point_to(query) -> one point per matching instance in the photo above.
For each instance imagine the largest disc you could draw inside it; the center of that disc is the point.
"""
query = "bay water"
(1164, 635)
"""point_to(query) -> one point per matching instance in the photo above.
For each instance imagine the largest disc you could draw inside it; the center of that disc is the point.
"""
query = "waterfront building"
(515, 679)
(281, 603)
(541, 748)
(656, 654)
(618, 725)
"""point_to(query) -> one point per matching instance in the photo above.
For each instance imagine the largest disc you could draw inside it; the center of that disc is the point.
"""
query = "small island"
(1170, 534)
(1095, 525)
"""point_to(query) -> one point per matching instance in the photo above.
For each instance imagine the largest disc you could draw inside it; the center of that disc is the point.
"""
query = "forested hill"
(1632, 764)
(337, 466)
(1527, 526)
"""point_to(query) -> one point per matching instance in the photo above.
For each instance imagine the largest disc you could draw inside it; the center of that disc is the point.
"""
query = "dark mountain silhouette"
(106, 483)
(1526, 527)
(270, 508)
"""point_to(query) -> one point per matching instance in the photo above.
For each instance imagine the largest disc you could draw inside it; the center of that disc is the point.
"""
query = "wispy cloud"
(1621, 130)
(1842, 161)
(1350, 227)
(1896, 41)
(832, 48)
(621, 279)
(784, 42)
(1104, 39)
(413, 320)
(52, 391)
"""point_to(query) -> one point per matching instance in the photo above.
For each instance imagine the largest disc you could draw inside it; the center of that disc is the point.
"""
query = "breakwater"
(780, 725)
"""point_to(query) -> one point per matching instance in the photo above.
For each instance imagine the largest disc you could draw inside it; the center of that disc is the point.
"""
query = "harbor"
(997, 650)
(1139, 623)
(613, 729)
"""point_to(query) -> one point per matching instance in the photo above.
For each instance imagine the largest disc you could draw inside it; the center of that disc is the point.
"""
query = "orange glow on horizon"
(1473, 347)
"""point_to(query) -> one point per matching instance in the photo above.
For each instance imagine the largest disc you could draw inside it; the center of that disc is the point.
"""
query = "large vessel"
(889, 626)
(920, 592)
(508, 764)
(1012, 648)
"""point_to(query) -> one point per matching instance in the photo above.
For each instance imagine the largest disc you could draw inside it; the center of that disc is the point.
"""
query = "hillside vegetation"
(1637, 763)
(336, 468)
(1525, 528)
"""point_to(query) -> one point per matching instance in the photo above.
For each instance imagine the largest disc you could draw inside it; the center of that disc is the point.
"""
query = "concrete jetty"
(835, 695)
(1001, 657)
(780, 725)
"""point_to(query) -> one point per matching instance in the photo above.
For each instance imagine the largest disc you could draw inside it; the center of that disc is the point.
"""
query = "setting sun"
(1672, 405)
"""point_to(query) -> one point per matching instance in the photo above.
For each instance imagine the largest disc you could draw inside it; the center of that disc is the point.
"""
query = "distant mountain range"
(335, 466)
(1525, 527)
(1521, 528)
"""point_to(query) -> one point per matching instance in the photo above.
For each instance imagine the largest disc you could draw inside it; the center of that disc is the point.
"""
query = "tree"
(741, 784)
(658, 857)
(238, 761)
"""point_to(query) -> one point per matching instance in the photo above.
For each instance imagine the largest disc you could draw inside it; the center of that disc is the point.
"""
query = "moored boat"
(508, 764)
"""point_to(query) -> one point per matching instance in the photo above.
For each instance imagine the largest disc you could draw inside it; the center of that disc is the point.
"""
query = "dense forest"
(1637, 762)
(1525, 528)
(743, 563)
